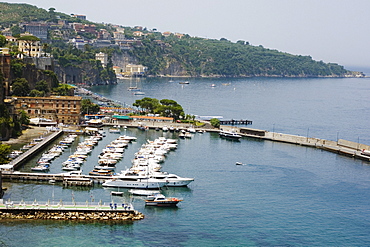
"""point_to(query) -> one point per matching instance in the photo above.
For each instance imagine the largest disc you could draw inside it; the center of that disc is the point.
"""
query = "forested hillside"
(205, 57)
(170, 55)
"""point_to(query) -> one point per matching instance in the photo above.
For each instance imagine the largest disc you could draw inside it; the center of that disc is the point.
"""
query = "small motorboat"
(114, 130)
(116, 193)
(40, 168)
(230, 135)
(100, 172)
(144, 192)
(139, 93)
(162, 201)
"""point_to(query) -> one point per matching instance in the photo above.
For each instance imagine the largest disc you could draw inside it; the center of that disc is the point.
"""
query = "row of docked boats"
(43, 163)
(111, 155)
(33, 143)
(145, 171)
(76, 160)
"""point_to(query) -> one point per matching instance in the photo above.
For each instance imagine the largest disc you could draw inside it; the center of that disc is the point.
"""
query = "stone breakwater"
(70, 215)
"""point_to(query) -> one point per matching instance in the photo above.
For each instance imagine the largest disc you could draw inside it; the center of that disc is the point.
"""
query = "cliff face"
(121, 60)
(34, 75)
(84, 73)
(174, 68)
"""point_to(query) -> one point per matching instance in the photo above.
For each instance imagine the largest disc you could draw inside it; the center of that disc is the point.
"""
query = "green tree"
(88, 107)
(42, 86)
(215, 122)
(6, 121)
(16, 65)
(147, 103)
(16, 30)
(2, 40)
(20, 87)
(37, 93)
(63, 90)
(164, 107)
(171, 108)
(4, 151)
(23, 118)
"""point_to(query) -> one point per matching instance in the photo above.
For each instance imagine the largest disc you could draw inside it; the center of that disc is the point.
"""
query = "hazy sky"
(335, 31)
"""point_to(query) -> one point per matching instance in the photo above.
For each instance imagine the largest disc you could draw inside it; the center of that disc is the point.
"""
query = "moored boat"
(162, 201)
(133, 180)
(114, 130)
(172, 180)
(143, 192)
(101, 172)
(116, 193)
(229, 135)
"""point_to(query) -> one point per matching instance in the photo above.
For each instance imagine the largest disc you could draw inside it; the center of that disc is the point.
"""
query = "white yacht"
(128, 179)
(172, 180)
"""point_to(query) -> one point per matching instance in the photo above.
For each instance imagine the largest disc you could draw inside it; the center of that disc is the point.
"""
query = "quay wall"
(341, 146)
(34, 150)
(70, 214)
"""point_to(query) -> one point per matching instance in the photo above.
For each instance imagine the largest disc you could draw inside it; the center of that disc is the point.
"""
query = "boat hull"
(162, 203)
(179, 183)
(133, 184)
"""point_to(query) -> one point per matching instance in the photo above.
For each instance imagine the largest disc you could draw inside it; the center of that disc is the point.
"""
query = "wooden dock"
(236, 122)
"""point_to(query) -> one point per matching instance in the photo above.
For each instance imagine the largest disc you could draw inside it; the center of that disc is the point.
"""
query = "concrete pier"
(67, 180)
(71, 211)
(14, 164)
(341, 146)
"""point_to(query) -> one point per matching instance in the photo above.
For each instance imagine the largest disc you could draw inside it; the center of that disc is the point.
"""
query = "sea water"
(282, 195)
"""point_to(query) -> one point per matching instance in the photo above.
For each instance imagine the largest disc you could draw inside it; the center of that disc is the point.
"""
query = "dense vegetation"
(206, 57)
(164, 107)
(173, 55)
(15, 13)
(88, 107)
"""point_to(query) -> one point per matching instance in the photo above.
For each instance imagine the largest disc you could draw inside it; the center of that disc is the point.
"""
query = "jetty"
(69, 211)
(341, 146)
(24, 157)
(236, 122)
(64, 178)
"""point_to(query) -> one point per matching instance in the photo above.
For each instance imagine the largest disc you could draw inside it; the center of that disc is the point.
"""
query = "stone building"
(60, 109)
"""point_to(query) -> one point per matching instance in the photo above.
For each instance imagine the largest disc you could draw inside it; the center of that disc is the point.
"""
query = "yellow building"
(60, 109)
(135, 69)
(30, 48)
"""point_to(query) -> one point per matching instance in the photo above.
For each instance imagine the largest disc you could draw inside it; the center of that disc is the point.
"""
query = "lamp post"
(337, 137)
(358, 143)
(308, 131)
(273, 131)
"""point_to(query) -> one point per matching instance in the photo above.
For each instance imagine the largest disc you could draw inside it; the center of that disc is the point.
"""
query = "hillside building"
(60, 109)
(30, 48)
(135, 70)
(40, 30)
(102, 57)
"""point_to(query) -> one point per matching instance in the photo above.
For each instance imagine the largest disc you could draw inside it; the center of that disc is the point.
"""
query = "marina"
(288, 191)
